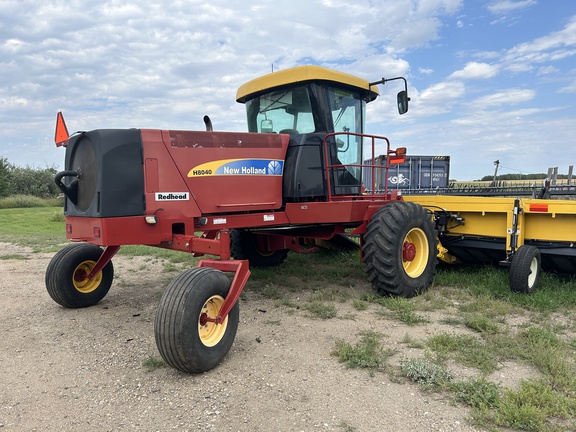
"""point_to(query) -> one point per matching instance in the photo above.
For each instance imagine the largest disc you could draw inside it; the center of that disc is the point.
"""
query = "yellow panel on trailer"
(496, 229)
(553, 220)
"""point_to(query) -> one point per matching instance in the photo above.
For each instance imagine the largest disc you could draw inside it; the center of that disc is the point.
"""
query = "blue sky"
(488, 79)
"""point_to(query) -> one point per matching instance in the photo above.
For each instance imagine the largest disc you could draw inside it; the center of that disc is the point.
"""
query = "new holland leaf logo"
(275, 168)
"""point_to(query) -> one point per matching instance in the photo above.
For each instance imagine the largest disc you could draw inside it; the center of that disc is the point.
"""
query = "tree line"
(540, 176)
(15, 180)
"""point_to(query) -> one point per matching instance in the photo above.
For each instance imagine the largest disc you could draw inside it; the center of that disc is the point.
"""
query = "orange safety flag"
(61, 136)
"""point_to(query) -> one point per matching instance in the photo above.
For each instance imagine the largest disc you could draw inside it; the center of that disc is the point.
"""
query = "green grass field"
(41, 228)
(318, 283)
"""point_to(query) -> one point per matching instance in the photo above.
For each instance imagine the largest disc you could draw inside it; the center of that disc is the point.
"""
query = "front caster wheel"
(185, 336)
(525, 270)
(66, 276)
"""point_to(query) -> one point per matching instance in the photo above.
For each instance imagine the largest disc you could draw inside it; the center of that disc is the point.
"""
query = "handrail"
(372, 166)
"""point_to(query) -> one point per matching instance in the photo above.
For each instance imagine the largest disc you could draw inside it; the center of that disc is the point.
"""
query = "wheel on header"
(525, 269)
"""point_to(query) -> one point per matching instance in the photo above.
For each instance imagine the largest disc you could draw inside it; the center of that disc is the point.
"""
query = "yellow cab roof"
(303, 74)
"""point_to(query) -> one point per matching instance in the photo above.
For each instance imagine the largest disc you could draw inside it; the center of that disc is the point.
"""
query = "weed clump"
(430, 376)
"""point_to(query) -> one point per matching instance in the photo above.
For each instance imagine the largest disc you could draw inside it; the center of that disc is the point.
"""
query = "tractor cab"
(324, 113)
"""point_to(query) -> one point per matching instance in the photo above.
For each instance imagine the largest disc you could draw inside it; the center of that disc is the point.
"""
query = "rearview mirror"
(266, 126)
(403, 102)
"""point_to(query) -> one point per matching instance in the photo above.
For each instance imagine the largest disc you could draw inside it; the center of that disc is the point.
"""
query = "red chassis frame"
(312, 220)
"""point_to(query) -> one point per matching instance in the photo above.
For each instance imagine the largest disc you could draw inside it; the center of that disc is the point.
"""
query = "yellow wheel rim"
(416, 263)
(81, 282)
(211, 333)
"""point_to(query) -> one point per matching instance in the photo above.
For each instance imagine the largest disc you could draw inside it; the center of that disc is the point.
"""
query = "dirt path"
(81, 370)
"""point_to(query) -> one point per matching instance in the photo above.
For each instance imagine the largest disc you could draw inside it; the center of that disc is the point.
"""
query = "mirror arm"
(385, 80)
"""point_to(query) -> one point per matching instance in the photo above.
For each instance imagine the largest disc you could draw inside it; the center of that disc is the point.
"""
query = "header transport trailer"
(292, 183)
(525, 234)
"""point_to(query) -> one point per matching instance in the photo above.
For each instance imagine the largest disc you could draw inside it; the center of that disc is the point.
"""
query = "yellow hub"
(415, 266)
(210, 332)
(80, 280)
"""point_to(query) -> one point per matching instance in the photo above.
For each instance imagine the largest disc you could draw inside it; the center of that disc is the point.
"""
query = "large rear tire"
(525, 270)
(66, 280)
(244, 246)
(400, 249)
(185, 339)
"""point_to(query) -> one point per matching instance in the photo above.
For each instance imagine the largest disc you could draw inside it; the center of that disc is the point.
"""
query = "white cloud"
(570, 88)
(507, 97)
(422, 22)
(553, 47)
(505, 6)
(474, 70)
(547, 70)
(436, 99)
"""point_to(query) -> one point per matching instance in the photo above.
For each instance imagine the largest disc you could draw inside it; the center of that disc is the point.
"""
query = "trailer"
(527, 235)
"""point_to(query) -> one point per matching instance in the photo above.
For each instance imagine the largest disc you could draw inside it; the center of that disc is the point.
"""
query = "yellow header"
(302, 74)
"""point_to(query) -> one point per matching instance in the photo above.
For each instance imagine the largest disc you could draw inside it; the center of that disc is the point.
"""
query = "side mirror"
(403, 102)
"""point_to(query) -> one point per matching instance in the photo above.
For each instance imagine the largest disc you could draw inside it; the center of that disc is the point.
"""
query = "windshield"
(284, 111)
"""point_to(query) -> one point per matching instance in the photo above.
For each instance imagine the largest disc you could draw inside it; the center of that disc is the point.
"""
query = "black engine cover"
(111, 174)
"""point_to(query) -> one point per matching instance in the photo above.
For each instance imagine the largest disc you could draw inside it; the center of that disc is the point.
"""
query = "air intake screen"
(84, 161)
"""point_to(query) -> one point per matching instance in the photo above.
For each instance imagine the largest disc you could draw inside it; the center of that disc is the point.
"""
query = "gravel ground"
(82, 369)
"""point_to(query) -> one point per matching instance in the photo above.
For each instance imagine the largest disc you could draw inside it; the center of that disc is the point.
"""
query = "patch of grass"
(403, 310)
(552, 356)
(153, 363)
(286, 302)
(359, 304)
(535, 406)
(466, 349)
(431, 301)
(13, 257)
(452, 320)
(491, 284)
(269, 291)
(58, 217)
(321, 310)
(330, 294)
(547, 403)
(366, 353)
(428, 375)
(304, 272)
(477, 393)
(34, 227)
(27, 201)
(168, 268)
(172, 256)
(481, 324)
(411, 342)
